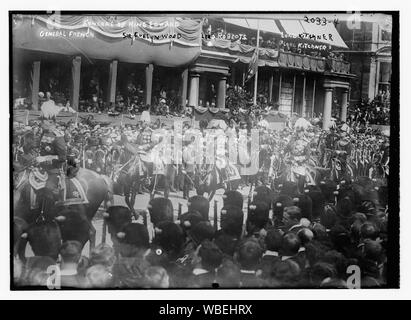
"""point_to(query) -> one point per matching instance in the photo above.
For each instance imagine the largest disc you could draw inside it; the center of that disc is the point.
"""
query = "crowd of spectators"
(310, 246)
(375, 112)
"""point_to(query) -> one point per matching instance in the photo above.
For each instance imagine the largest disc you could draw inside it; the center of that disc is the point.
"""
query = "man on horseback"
(343, 150)
(53, 154)
(189, 165)
(298, 150)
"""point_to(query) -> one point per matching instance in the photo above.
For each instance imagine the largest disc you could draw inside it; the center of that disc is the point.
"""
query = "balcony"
(311, 63)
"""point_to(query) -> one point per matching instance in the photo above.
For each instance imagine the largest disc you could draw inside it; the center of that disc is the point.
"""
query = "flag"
(253, 66)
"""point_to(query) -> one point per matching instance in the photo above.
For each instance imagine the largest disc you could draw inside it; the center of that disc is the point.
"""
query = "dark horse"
(209, 182)
(98, 188)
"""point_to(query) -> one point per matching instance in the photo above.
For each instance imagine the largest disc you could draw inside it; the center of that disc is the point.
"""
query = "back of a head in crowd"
(232, 220)
(133, 239)
(345, 207)
(70, 252)
(305, 235)
(228, 275)
(320, 272)
(273, 239)
(249, 254)
(369, 231)
(290, 244)
(156, 277)
(98, 276)
(211, 256)
(291, 216)
(258, 216)
(103, 255)
(202, 231)
(329, 217)
(200, 204)
(45, 239)
(227, 243)
(160, 209)
(338, 260)
(233, 198)
(287, 272)
(170, 237)
(340, 238)
(35, 271)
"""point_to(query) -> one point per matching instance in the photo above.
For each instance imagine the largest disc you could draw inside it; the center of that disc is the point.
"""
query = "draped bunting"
(201, 113)
(292, 60)
(239, 48)
(115, 27)
(163, 41)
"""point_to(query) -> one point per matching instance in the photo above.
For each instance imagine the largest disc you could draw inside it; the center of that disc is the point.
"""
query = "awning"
(169, 42)
(292, 27)
(327, 34)
(332, 37)
(265, 25)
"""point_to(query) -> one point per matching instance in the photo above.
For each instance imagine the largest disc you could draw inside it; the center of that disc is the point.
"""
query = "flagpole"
(256, 72)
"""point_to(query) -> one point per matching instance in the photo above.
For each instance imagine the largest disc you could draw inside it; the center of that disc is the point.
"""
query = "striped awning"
(295, 28)
(264, 24)
(327, 33)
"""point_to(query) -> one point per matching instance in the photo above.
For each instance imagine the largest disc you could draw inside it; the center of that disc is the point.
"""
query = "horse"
(28, 212)
(211, 180)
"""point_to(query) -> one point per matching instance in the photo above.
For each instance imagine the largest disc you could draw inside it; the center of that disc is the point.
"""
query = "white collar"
(248, 271)
(199, 271)
(270, 253)
(283, 258)
(68, 272)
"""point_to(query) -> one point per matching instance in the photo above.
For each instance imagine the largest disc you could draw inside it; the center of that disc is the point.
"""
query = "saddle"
(72, 192)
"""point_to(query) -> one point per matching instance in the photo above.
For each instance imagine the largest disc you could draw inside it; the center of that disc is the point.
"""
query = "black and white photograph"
(204, 150)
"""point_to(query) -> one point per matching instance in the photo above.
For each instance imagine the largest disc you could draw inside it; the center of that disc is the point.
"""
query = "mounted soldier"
(342, 152)
(53, 155)
(189, 156)
(298, 150)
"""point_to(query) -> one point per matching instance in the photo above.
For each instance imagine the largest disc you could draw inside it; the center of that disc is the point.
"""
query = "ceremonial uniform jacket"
(53, 146)
(189, 157)
(299, 148)
(343, 145)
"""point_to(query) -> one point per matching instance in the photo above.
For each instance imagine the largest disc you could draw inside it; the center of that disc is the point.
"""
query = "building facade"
(369, 43)
(195, 59)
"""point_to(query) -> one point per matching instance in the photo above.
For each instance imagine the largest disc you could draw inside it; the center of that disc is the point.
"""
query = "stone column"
(194, 89)
(112, 82)
(149, 83)
(75, 84)
(35, 84)
(372, 79)
(303, 109)
(184, 83)
(270, 87)
(221, 92)
(344, 105)
(327, 107)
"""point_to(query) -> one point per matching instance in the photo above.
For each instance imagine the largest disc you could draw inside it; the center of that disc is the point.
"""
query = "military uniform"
(343, 151)
(189, 165)
(53, 155)
(299, 151)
